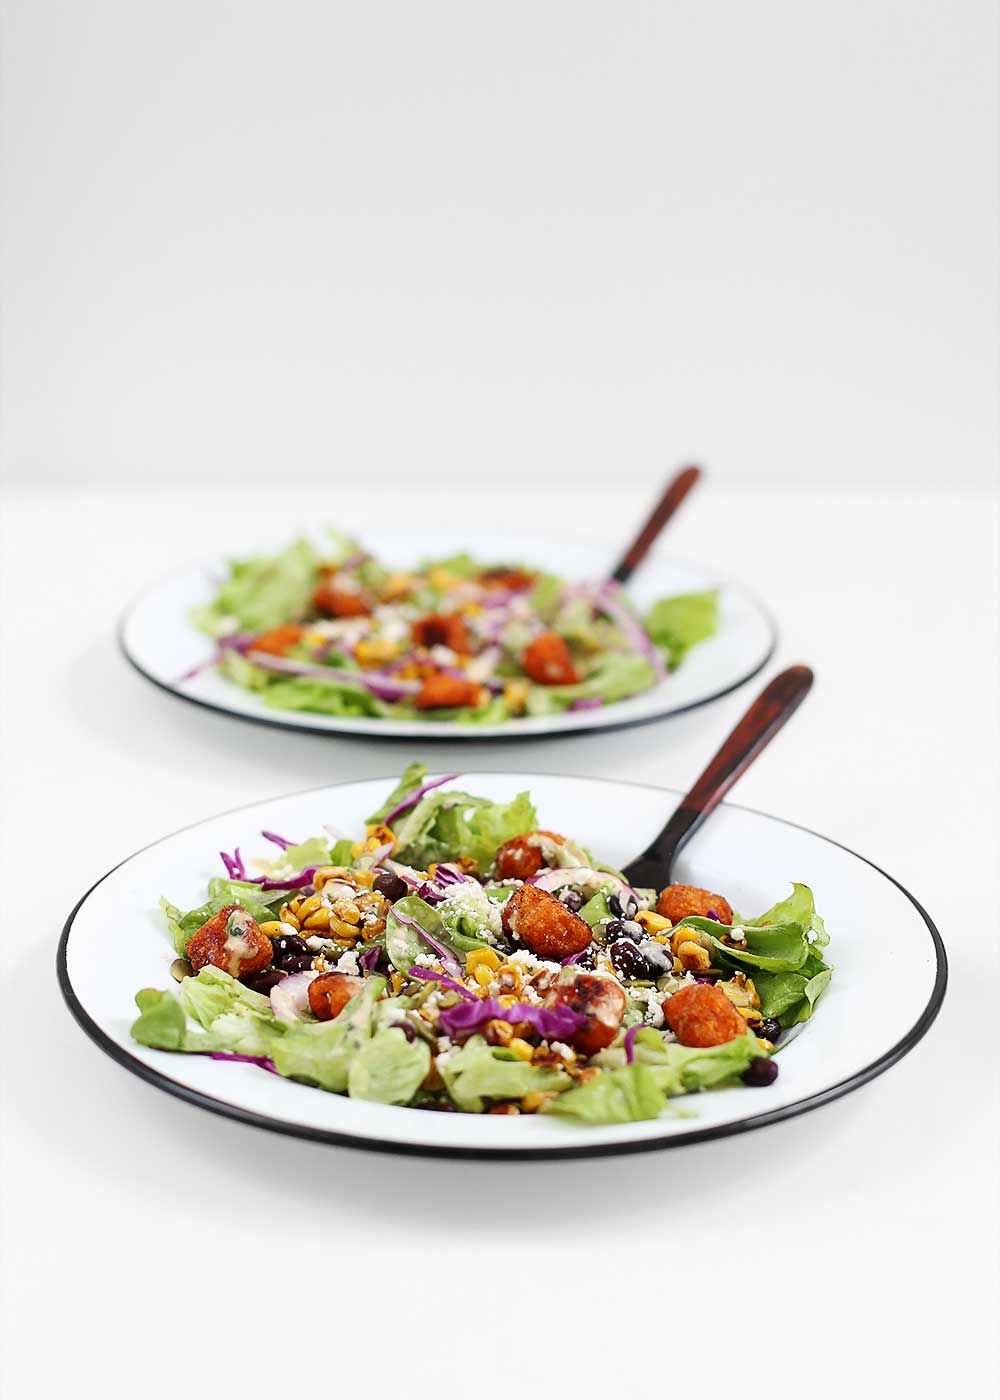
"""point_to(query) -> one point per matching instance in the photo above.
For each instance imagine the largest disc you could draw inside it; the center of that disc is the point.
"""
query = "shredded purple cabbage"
(381, 685)
(424, 974)
(608, 601)
(551, 1022)
(572, 960)
(444, 877)
(592, 704)
(415, 797)
(630, 1035)
(447, 955)
(277, 840)
(235, 868)
(293, 882)
(261, 1060)
(368, 960)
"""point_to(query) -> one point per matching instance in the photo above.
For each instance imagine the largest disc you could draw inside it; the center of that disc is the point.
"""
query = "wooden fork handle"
(677, 488)
(773, 707)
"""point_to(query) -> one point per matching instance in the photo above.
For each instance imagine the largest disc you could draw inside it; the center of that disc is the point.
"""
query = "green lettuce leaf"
(479, 1071)
(403, 943)
(446, 825)
(624, 1095)
(321, 1053)
(615, 676)
(335, 696)
(414, 775)
(677, 624)
(161, 1023)
(388, 1068)
(799, 908)
(263, 592)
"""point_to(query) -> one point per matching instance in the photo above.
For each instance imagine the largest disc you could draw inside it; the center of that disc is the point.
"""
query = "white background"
(406, 241)
(389, 257)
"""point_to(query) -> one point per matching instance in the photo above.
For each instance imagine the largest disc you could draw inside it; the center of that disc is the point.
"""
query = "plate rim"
(276, 722)
(360, 1142)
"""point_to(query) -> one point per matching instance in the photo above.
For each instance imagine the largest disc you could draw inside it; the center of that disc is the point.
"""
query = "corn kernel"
(347, 911)
(318, 922)
(395, 587)
(272, 927)
(521, 1048)
(694, 957)
(652, 923)
(483, 975)
(309, 906)
(396, 982)
(442, 579)
(498, 1032)
(481, 957)
(515, 693)
(342, 930)
(532, 1102)
(375, 651)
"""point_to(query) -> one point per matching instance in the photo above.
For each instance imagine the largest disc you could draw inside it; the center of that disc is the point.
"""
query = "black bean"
(645, 962)
(627, 960)
(657, 957)
(631, 929)
(391, 885)
(287, 946)
(302, 963)
(760, 1072)
(263, 981)
(769, 1030)
(572, 899)
(615, 905)
(632, 907)
(613, 928)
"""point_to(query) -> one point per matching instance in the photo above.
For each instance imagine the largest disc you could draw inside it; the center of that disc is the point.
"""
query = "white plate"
(889, 959)
(159, 640)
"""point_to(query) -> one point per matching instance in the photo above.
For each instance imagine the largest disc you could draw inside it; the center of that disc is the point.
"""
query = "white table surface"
(168, 1252)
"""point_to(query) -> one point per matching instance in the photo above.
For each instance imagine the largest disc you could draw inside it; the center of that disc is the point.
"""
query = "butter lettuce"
(615, 676)
(447, 825)
(161, 1022)
(388, 1068)
(677, 624)
(263, 592)
(625, 1093)
(479, 1072)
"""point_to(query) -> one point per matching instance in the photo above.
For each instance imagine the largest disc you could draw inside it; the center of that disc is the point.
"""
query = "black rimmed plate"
(887, 988)
(158, 638)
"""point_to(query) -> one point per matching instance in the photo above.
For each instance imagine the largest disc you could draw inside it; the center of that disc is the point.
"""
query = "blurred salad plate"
(482, 635)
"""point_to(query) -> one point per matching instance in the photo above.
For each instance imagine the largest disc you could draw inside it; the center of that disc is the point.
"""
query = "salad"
(461, 958)
(336, 632)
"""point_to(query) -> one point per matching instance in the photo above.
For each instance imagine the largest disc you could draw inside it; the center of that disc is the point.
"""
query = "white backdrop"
(381, 254)
(394, 240)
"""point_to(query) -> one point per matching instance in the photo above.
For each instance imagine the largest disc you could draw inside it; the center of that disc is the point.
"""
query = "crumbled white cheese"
(348, 963)
(737, 934)
(559, 1048)
(426, 960)
(442, 655)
